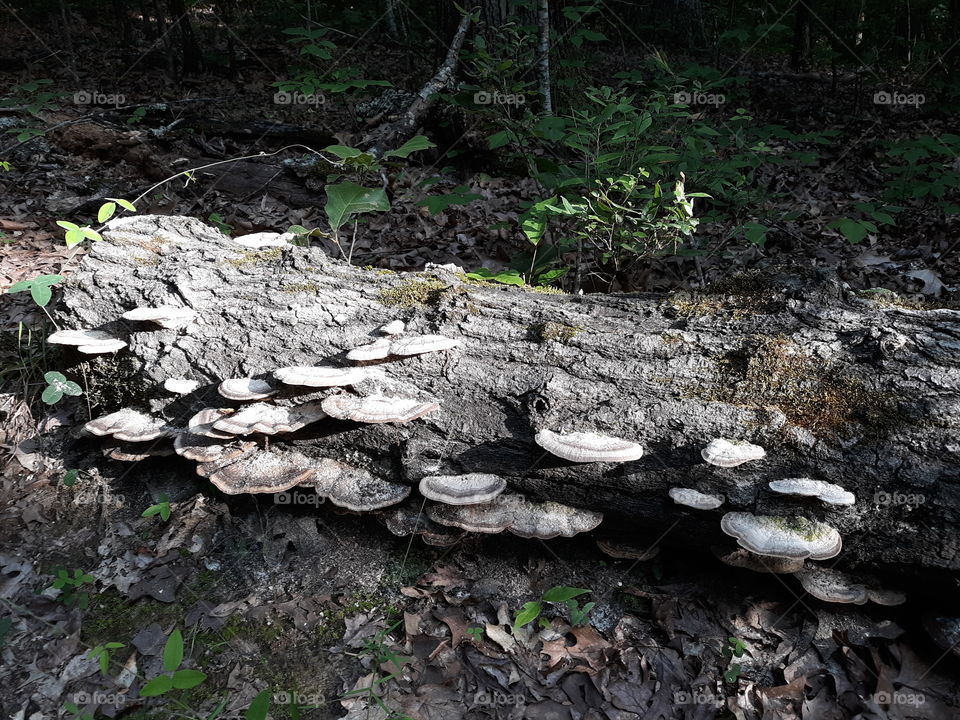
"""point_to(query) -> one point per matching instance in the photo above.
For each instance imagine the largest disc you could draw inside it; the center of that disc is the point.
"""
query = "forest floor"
(311, 605)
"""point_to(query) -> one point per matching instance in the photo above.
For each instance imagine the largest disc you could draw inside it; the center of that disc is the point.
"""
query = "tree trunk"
(861, 393)
(543, 20)
(802, 42)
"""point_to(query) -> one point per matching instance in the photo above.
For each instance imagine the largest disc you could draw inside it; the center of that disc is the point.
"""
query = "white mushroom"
(376, 408)
(806, 487)
(255, 241)
(394, 327)
(321, 376)
(695, 499)
(377, 350)
(470, 489)
(89, 342)
(180, 386)
(789, 537)
(517, 515)
(419, 344)
(130, 425)
(202, 423)
(724, 453)
(584, 447)
(246, 389)
(355, 488)
(166, 316)
(270, 419)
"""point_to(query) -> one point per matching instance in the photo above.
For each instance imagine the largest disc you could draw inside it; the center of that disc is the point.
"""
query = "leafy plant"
(57, 387)
(476, 633)
(69, 585)
(101, 653)
(559, 594)
(174, 678)
(161, 508)
(460, 195)
(77, 713)
(221, 223)
(381, 654)
(39, 288)
(735, 648)
(70, 477)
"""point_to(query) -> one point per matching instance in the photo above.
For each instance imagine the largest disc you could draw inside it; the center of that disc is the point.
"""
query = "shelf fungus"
(256, 241)
(355, 488)
(724, 453)
(376, 408)
(626, 551)
(695, 499)
(469, 489)
(202, 423)
(517, 515)
(787, 537)
(377, 350)
(89, 342)
(133, 452)
(585, 447)
(129, 425)
(420, 344)
(205, 449)
(820, 489)
(320, 376)
(405, 520)
(166, 316)
(263, 471)
(835, 586)
(758, 563)
(244, 389)
(270, 419)
(394, 327)
(180, 386)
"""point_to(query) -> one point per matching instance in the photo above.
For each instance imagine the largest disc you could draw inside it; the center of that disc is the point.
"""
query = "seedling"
(57, 387)
(735, 648)
(173, 678)
(162, 509)
(101, 653)
(39, 288)
(71, 595)
(476, 633)
(70, 477)
(559, 594)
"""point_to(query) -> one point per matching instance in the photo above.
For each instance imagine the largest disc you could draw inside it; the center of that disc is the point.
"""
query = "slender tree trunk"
(189, 48)
(801, 35)
(544, 23)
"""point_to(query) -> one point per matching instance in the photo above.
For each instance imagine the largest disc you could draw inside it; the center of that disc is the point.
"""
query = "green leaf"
(533, 226)
(47, 279)
(71, 388)
(343, 152)
(151, 511)
(106, 212)
(70, 479)
(20, 286)
(498, 140)
(67, 225)
(90, 233)
(755, 233)
(259, 707)
(165, 511)
(529, 612)
(54, 377)
(412, 145)
(186, 679)
(173, 651)
(114, 645)
(346, 199)
(438, 203)
(74, 237)
(158, 686)
(41, 294)
(125, 204)
(51, 395)
(561, 594)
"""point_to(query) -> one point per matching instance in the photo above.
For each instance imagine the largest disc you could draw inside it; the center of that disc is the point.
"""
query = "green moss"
(545, 290)
(885, 298)
(775, 371)
(557, 332)
(114, 381)
(798, 525)
(304, 287)
(256, 257)
(413, 293)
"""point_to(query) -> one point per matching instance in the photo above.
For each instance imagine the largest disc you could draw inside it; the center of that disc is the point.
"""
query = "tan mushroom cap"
(166, 316)
(270, 419)
(626, 551)
(469, 489)
(820, 489)
(695, 499)
(246, 389)
(134, 452)
(129, 425)
(202, 423)
(89, 342)
(320, 376)
(205, 449)
(519, 516)
(831, 585)
(419, 344)
(724, 453)
(376, 408)
(789, 537)
(263, 471)
(377, 350)
(585, 447)
(405, 520)
(758, 563)
(354, 488)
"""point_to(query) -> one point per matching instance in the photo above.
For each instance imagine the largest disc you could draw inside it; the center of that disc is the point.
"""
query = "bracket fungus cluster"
(270, 419)
(420, 344)
(820, 489)
(377, 408)
(166, 316)
(469, 489)
(695, 499)
(245, 389)
(89, 342)
(515, 514)
(129, 425)
(724, 453)
(586, 447)
(794, 537)
(838, 587)
(320, 376)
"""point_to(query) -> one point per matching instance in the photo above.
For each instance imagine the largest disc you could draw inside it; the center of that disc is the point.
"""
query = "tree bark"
(861, 393)
(543, 19)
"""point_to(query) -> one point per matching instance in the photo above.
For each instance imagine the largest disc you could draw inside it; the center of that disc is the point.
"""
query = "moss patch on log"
(557, 332)
(413, 293)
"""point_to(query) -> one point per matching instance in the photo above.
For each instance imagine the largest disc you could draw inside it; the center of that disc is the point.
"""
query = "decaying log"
(863, 393)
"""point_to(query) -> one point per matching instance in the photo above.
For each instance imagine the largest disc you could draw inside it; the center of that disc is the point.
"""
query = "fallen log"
(861, 390)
